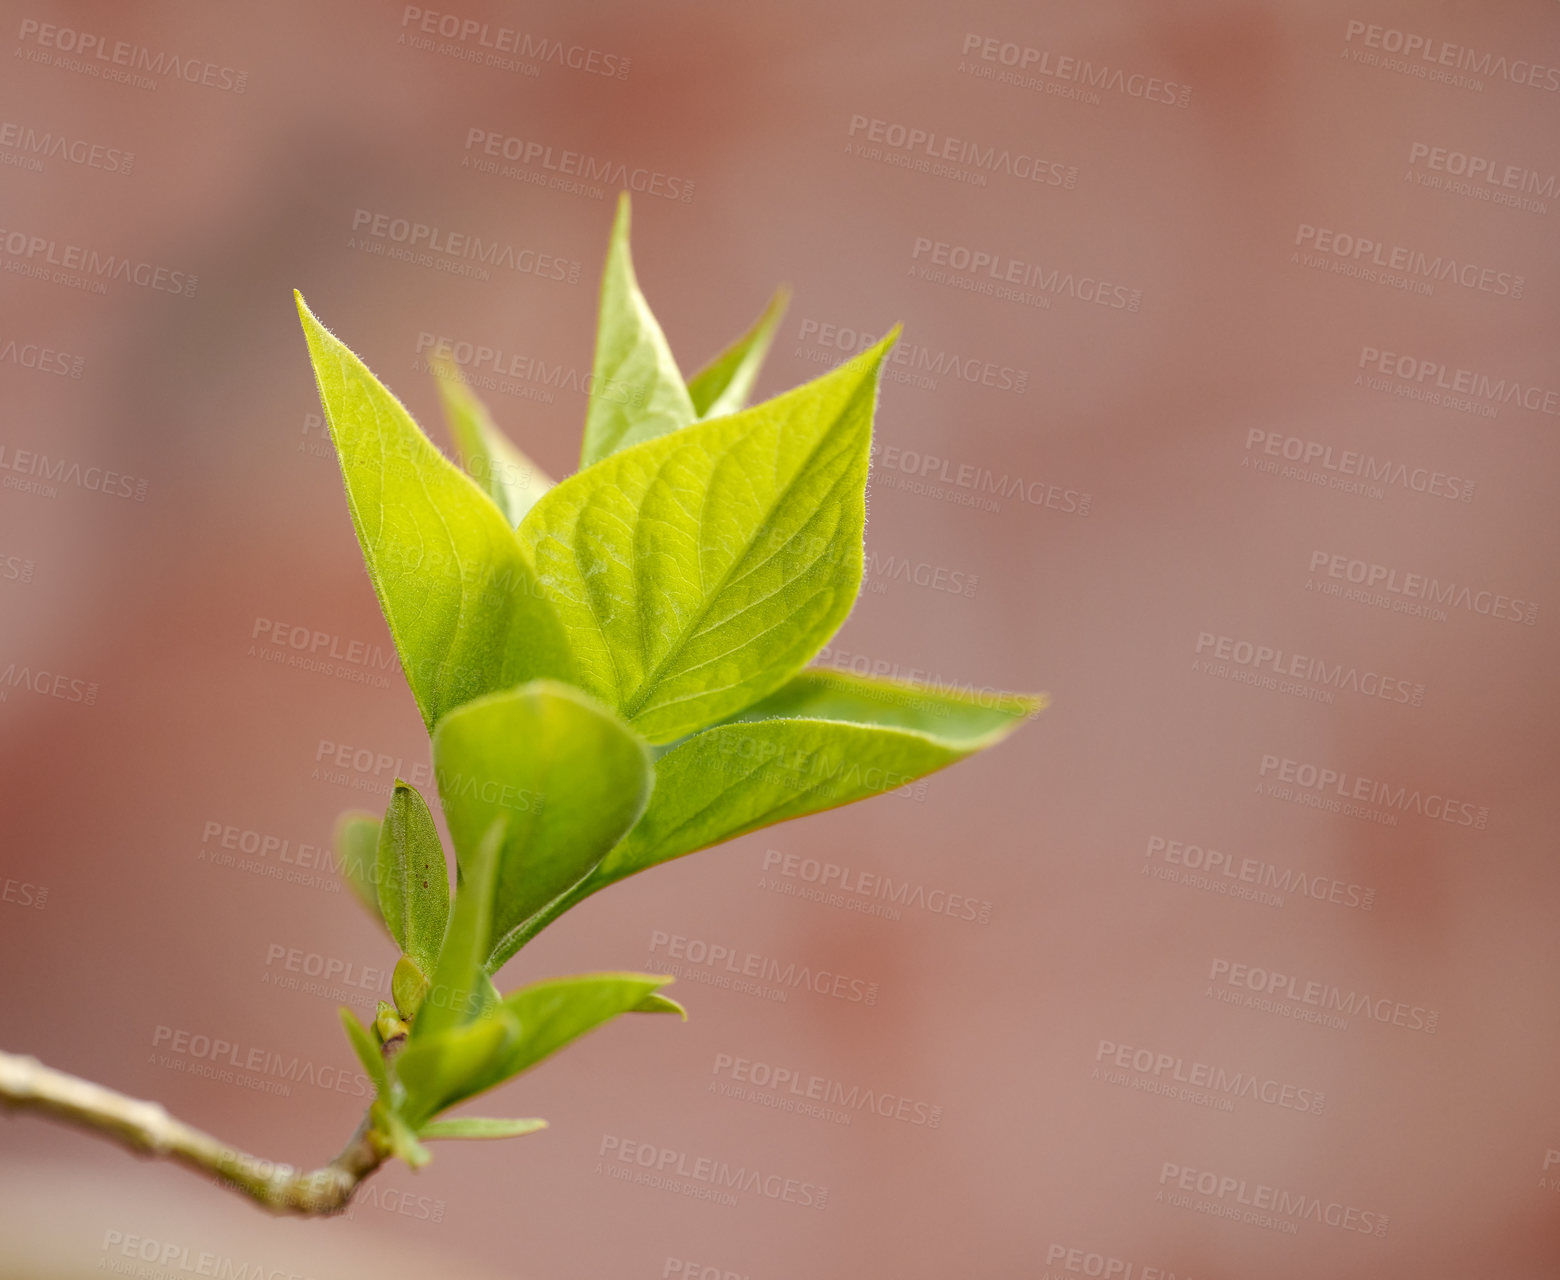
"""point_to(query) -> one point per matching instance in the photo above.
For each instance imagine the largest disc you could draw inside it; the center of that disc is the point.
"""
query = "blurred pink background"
(1287, 352)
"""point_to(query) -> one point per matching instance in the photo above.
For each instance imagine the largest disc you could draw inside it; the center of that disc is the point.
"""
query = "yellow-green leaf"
(724, 385)
(637, 392)
(697, 572)
(508, 477)
(458, 592)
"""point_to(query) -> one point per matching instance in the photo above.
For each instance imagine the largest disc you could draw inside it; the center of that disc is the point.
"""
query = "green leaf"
(560, 1010)
(637, 392)
(367, 1051)
(510, 478)
(459, 989)
(566, 774)
(456, 1063)
(527, 1026)
(960, 716)
(823, 740)
(459, 595)
(724, 385)
(357, 844)
(698, 572)
(414, 885)
(478, 1127)
(657, 1003)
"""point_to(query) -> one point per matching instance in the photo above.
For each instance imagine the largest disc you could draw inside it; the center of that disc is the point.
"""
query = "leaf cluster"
(612, 669)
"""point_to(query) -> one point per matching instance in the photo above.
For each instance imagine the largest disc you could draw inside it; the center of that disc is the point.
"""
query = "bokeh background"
(1323, 233)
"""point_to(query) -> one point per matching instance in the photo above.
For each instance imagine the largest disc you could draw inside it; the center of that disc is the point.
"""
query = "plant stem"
(147, 1129)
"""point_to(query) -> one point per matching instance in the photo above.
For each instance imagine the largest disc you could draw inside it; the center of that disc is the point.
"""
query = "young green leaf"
(459, 988)
(555, 1012)
(357, 844)
(724, 385)
(566, 774)
(823, 740)
(527, 1026)
(698, 572)
(958, 715)
(414, 885)
(458, 592)
(367, 1051)
(510, 478)
(657, 1003)
(449, 1066)
(478, 1127)
(637, 392)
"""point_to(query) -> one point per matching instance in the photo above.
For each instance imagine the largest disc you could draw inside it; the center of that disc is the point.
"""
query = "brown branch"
(147, 1129)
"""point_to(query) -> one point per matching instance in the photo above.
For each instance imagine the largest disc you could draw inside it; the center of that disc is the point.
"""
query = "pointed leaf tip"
(459, 595)
(637, 391)
(655, 1002)
(724, 384)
